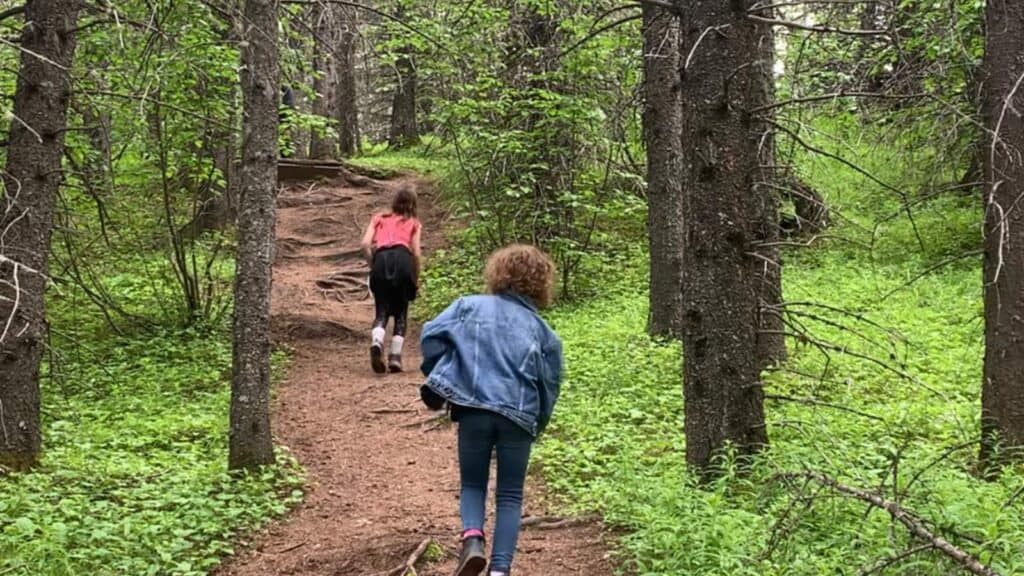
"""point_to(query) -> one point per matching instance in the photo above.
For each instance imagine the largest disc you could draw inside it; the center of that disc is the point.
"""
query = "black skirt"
(393, 275)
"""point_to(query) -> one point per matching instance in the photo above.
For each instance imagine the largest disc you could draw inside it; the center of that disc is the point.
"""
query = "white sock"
(377, 337)
(498, 574)
(396, 344)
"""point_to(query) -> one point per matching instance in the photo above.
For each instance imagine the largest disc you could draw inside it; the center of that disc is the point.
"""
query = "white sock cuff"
(377, 336)
(396, 344)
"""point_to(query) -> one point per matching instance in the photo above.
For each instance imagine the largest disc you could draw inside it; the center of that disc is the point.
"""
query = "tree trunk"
(346, 93)
(31, 179)
(404, 129)
(771, 342)
(322, 146)
(251, 443)
(1002, 395)
(662, 127)
(723, 395)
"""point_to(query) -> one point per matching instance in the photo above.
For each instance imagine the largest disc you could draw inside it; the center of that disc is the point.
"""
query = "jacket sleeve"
(552, 368)
(436, 339)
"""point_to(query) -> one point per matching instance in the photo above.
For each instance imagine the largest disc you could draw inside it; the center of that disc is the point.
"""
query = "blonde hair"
(523, 269)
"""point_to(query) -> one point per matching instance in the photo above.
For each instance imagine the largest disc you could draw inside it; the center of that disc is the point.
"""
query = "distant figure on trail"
(392, 247)
(285, 116)
(498, 365)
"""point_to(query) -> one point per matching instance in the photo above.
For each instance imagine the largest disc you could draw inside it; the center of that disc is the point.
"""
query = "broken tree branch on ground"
(912, 522)
(556, 522)
(409, 567)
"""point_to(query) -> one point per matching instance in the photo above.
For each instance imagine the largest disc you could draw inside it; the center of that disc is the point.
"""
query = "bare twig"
(393, 411)
(708, 30)
(895, 558)
(816, 402)
(810, 28)
(437, 418)
(835, 96)
(292, 547)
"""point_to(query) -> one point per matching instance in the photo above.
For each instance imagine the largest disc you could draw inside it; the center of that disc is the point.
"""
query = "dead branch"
(816, 402)
(893, 559)
(933, 268)
(809, 28)
(15, 11)
(556, 522)
(393, 411)
(913, 523)
(409, 567)
(292, 547)
(835, 96)
(435, 419)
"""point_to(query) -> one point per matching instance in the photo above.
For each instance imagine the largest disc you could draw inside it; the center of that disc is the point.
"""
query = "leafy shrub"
(133, 479)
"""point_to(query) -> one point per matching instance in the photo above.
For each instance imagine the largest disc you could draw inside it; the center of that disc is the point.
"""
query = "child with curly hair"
(498, 365)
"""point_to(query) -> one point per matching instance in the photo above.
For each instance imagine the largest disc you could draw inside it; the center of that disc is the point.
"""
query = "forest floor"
(382, 469)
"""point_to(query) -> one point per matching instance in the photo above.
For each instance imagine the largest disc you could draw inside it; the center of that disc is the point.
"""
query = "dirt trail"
(380, 482)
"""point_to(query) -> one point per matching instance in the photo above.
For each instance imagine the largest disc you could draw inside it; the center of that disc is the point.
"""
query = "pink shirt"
(394, 230)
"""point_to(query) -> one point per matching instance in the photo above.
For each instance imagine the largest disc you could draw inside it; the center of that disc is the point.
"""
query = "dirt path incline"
(383, 477)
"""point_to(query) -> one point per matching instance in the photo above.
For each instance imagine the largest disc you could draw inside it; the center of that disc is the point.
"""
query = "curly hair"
(522, 269)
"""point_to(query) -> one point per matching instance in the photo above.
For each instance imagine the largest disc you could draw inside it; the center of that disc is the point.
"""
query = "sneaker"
(472, 560)
(395, 362)
(377, 359)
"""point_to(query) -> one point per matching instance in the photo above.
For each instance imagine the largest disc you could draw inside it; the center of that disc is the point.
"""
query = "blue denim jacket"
(495, 352)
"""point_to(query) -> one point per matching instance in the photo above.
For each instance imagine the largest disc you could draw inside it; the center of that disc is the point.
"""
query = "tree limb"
(914, 524)
(810, 28)
(15, 11)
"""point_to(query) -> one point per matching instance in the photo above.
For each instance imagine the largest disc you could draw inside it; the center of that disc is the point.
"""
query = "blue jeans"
(480, 432)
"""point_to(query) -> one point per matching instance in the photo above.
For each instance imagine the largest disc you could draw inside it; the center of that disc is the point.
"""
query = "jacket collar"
(517, 297)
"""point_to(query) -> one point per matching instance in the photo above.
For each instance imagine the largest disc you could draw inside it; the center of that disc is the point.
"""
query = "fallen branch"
(437, 418)
(556, 522)
(410, 564)
(393, 411)
(292, 547)
(915, 525)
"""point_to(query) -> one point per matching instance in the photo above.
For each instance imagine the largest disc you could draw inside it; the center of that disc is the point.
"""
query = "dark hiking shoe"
(377, 359)
(472, 560)
(395, 362)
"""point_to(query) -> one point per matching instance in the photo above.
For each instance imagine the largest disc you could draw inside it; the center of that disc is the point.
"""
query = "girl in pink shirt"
(392, 245)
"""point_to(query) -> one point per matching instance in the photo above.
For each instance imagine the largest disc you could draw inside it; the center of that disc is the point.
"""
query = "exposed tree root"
(345, 285)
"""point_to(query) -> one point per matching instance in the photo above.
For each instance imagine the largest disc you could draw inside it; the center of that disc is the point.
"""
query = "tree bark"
(764, 215)
(1002, 395)
(30, 183)
(251, 444)
(404, 127)
(662, 128)
(346, 92)
(322, 146)
(723, 396)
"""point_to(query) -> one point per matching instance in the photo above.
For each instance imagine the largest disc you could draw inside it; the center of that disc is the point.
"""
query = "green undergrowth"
(881, 391)
(134, 476)
(896, 410)
(428, 158)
